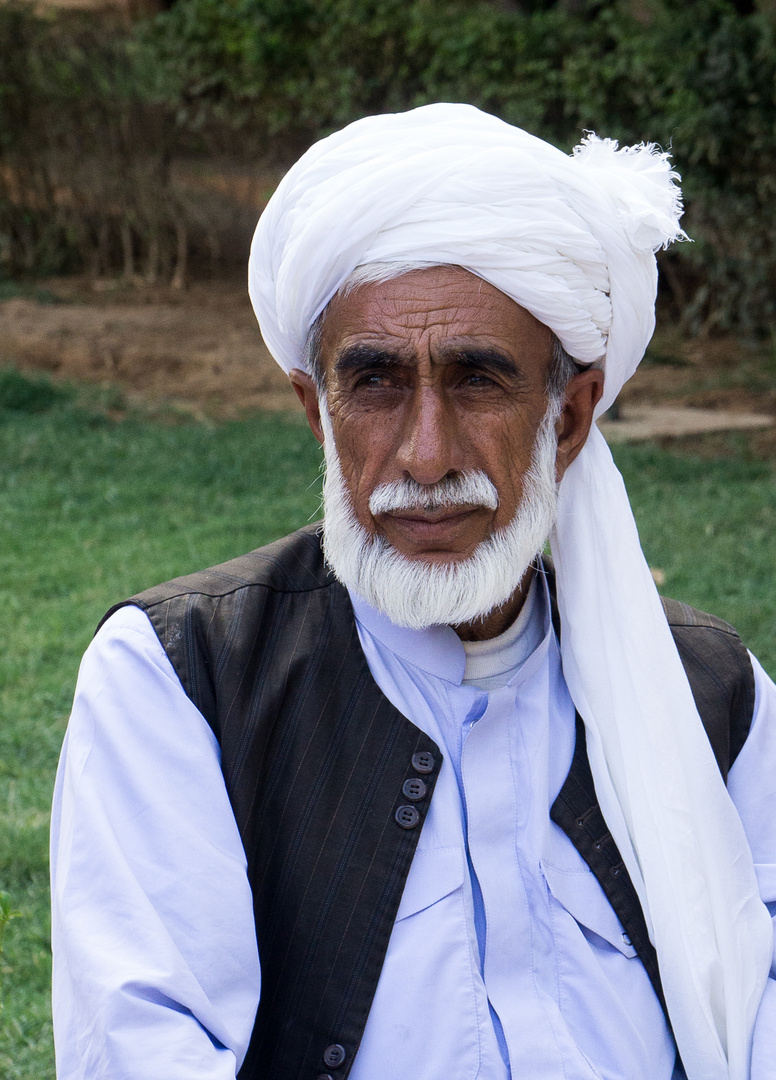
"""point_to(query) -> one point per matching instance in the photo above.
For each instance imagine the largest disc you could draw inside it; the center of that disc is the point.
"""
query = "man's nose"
(429, 447)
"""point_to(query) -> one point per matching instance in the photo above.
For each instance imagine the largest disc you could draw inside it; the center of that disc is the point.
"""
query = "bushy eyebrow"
(358, 357)
(486, 359)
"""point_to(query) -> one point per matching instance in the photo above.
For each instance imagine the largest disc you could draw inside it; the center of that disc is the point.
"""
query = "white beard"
(418, 594)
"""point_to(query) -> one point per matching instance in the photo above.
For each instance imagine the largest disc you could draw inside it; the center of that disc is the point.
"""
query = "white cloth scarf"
(572, 240)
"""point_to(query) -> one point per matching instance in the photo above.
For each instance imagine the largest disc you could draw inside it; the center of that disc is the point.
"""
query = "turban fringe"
(571, 239)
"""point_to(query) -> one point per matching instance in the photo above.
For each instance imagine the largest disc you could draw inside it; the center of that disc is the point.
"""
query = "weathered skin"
(429, 374)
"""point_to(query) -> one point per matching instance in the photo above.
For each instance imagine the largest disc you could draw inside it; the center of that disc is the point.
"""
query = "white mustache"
(470, 488)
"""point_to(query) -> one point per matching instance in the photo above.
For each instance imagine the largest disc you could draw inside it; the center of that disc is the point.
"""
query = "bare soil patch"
(638, 423)
(198, 349)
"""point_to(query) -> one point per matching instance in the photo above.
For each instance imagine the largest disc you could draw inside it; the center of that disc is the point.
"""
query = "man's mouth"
(431, 514)
(438, 527)
(448, 518)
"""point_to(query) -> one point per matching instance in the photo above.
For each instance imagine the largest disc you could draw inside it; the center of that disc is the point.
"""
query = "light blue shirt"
(505, 960)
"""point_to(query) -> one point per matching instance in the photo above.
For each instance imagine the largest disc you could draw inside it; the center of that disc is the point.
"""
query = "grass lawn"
(92, 511)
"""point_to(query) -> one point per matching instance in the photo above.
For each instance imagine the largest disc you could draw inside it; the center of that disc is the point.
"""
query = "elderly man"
(405, 799)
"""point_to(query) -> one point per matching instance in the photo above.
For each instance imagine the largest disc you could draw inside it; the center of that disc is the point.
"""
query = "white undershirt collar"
(493, 663)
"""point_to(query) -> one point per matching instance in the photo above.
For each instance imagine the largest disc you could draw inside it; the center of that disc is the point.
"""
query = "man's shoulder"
(718, 668)
(292, 564)
(708, 638)
(720, 674)
(682, 615)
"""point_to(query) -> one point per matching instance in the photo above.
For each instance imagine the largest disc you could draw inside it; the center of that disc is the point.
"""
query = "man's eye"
(372, 380)
(478, 380)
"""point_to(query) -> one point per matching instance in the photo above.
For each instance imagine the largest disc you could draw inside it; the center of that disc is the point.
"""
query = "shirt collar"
(437, 650)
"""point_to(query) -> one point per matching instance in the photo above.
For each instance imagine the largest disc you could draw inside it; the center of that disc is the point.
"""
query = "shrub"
(713, 77)
(85, 150)
(698, 78)
(30, 393)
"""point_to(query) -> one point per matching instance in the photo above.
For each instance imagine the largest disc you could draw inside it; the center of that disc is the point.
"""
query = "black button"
(423, 762)
(324, 1076)
(333, 1056)
(407, 817)
(414, 788)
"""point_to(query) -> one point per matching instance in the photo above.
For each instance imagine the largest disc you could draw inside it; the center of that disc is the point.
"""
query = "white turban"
(572, 240)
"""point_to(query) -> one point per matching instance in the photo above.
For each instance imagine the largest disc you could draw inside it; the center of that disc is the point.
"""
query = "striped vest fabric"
(330, 784)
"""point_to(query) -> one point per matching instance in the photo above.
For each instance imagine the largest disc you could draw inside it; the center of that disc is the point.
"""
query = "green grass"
(92, 511)
(710, 525)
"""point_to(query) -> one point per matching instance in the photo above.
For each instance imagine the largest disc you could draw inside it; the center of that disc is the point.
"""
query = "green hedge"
(86, 140)
(698, 77)
(267, 77)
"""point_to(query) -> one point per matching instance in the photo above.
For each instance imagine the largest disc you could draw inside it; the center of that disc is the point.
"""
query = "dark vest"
(330, 784)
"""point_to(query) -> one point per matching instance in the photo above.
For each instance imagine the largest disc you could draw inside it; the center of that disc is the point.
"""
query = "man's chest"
(506, 957)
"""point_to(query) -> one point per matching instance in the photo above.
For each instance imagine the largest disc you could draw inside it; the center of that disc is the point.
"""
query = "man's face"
(429, 375)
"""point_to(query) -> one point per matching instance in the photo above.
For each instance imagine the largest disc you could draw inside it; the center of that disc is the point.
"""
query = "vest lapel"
(577, 812)
(329, 837)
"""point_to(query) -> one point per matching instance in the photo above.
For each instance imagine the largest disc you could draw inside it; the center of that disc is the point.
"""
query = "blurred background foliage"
(106, 123)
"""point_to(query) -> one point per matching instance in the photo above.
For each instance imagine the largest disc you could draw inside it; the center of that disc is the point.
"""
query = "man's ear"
(307, 392)
(582, 395)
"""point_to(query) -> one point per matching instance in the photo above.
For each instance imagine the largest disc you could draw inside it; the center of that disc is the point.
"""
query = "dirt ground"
(200, 351)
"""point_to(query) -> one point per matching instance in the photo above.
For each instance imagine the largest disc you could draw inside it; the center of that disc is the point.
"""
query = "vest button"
(423, 761)
(325, 1076)
(333, 1056)
(407, 817)
(414, 789)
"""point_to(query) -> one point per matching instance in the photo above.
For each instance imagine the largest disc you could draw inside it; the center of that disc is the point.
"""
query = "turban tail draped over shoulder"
(571, 239)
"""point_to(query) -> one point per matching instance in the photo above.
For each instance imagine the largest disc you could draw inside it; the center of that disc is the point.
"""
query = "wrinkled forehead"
(426, 302)
(434, 314)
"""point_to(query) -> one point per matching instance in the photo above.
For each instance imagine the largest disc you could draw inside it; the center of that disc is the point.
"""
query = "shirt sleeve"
(156, 971)
(752, 786)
